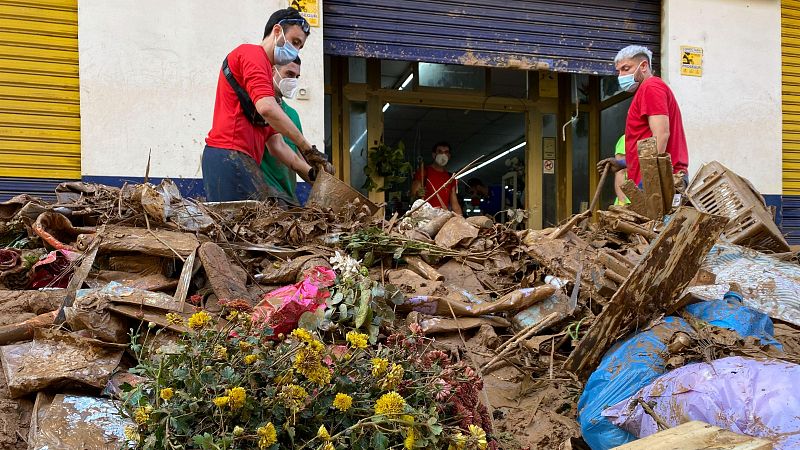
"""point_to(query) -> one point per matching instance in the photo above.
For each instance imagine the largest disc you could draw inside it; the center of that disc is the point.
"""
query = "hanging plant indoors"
(387, 162)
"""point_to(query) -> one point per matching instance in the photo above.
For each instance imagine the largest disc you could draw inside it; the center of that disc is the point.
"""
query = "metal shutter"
(790, 47)
(560, 35)
(39, 96)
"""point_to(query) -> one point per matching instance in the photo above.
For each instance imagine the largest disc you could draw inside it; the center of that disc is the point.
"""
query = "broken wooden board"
(225, 282)
(168, 244)
(653, 285)
(651, 183)
(667, 182)
(697, 435)
(638, 199)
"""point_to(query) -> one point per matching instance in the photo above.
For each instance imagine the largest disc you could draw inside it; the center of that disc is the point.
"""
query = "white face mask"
(442, 159)
(287, 86)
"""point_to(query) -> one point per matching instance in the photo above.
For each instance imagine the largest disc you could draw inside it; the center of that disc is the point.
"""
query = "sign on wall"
(549, 166)
(549, 148)
(308, 9)
(691, 61)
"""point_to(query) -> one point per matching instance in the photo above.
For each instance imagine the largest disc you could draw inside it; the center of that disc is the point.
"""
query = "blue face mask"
(627, 82)
(284, 54)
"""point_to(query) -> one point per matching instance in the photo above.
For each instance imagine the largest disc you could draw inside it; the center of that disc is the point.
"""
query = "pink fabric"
(53, 270)
(307, 295)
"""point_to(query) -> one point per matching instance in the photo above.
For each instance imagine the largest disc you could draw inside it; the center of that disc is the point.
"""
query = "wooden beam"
(672, 261)
(697, 435)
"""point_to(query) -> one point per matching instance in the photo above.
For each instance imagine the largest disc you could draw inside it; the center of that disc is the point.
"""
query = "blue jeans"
(230, 175)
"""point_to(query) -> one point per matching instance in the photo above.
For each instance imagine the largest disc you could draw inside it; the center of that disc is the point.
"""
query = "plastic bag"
(636, 361)
(743, 395)
(293, 300)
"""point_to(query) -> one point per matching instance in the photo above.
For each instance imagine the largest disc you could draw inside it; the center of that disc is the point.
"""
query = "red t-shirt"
(433, 180)
(230, 128)
(654, 98)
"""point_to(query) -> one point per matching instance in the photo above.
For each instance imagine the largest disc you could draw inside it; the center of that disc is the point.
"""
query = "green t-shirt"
(275, 173)
(619, 149)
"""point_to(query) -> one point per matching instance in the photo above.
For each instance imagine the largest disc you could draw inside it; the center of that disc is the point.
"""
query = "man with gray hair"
(654, 112)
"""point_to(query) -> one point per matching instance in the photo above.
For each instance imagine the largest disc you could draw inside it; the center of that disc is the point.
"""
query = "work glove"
(317, 160)
(679, 181)
(614, 165)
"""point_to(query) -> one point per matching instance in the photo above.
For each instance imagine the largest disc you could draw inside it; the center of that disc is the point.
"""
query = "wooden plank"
(655, 283)
(667, 182)
(697, 435)
(168, 244)
(224, 282)
(638, 200)
(651, 182)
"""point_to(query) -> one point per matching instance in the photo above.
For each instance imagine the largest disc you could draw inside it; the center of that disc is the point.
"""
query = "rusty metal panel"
(560, 35)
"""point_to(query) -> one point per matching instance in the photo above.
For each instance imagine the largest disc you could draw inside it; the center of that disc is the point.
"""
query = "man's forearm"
(280, 150)
(269, 108)
(661, 141)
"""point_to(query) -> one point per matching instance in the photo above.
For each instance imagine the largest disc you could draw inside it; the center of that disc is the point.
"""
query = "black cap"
(288, 16)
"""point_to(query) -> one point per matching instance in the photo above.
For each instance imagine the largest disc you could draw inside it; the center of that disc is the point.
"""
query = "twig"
(521, 336)
(659, 421)
(552, 354)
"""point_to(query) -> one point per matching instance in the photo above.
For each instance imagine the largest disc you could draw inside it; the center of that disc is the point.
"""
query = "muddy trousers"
(230, 175)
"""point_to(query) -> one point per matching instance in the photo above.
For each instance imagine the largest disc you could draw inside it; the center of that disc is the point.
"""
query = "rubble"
(527, 315)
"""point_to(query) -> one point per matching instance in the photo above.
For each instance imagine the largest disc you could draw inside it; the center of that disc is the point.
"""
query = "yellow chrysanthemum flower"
(390, 403)
(245, 346)
(250, 359)
(293, 396)
(221, 401)
(199, 320)
(167, 394)
(479, 435)
(302, 335)
(393, 378)
(407, 419)
(357, 340)
(132, 434)
(320, 375)
(233, 315)
(174, 319)
(237, 397)
(220, 352)
(323, 434)
(342, 402)
(328, 446)
(238, 431)
(459, 442)
(379, 367)
(267, 436)
(411, 438)
(141, 416)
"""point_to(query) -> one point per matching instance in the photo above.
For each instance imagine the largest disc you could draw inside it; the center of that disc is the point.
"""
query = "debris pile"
(170, 321)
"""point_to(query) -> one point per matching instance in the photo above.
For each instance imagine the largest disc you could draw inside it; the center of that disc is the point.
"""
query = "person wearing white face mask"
(247, 115)
(654, 112)
(281, 159)
(432, 177)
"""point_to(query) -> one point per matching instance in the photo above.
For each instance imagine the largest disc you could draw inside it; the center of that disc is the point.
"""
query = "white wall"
(732, 113)
(148, 75)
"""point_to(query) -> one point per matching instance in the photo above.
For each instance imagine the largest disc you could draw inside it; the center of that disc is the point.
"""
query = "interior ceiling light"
(495, 158)
(402, 86)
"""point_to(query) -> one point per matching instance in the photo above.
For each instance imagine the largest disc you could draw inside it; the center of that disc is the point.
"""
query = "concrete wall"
(732, 113)
(148, 74)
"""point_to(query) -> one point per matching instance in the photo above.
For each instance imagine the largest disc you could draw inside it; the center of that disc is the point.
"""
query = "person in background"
(432, 177)
(280, 164)
(621, 175)
(247, 115)
(487, 199)
(654, 112)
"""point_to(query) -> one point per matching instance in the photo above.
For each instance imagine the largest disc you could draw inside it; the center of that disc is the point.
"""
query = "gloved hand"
(614, 164)
(316, 158)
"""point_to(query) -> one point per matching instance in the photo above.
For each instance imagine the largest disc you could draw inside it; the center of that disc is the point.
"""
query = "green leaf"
(380, 441)
(363, 309)
(228, 373)
(336, 299)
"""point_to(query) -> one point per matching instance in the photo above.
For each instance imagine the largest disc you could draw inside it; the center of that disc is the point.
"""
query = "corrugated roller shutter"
(39, 96)
(790, 44)
(560, 35)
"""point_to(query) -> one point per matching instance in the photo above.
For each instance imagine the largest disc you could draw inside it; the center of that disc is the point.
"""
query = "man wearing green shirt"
(277, 175)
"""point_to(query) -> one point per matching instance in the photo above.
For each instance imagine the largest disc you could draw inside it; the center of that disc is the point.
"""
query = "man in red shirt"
(432, 177)
(654, 112)
(247, 115)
